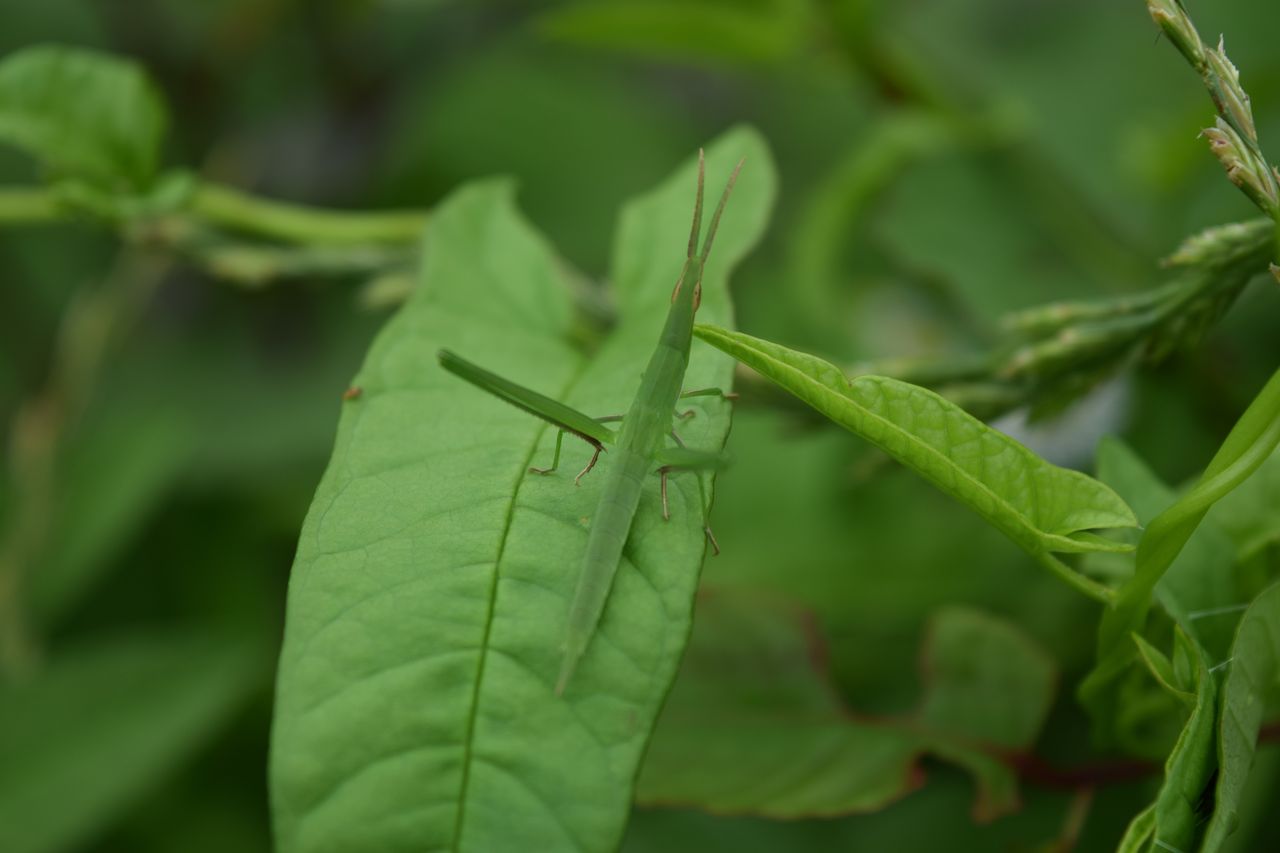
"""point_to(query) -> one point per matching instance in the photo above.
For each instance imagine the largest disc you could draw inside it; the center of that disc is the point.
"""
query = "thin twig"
(94, 322)
(234, 210)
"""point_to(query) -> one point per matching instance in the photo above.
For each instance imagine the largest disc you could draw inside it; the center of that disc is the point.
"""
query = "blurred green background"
(941, 162)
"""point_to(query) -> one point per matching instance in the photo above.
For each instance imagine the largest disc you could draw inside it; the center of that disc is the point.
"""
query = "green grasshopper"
(639, 446)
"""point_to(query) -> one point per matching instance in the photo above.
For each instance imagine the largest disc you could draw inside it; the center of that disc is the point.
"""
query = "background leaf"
(84, 114)
(1199, 591)
(428, 527)
(697, 30)
(117, 475)
(1248, 445)
(987, 682)
(104, 725)
(1251, 513)
(755, 726)
(875, 110)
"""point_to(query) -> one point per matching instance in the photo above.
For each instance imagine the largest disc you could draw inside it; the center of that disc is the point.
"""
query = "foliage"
(1249, 690)
(753, 722)
(90, 732)
(85, 116)
(969, 244)
(478, 629)
(1044, 508)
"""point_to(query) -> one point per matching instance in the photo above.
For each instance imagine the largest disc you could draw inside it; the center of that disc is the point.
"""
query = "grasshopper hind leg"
(590, 464)
(664, 472)
(711, 537)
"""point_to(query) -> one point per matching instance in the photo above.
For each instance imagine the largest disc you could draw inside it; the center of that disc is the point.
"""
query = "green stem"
(228, 208)
(234, 210)
(1097, 591)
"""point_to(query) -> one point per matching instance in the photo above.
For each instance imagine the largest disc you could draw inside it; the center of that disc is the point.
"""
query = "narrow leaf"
(1174, 820)
(1161, 669)
(1043, 508)
(1189, 768)
(1196, 592)
(83, 114)
(1252, 685)
(1137, 837)
(434, 574)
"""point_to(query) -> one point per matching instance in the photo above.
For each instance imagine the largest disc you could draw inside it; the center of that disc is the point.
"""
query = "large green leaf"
(84, 114)
(755, 726)
(1252, 685)
(433, 578)
(83, 738)
(1042, 507)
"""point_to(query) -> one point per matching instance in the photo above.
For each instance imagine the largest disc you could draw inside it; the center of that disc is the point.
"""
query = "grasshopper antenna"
(715, 218)
(697, 206)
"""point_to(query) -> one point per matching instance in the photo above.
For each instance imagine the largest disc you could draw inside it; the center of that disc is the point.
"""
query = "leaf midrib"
(469, 738)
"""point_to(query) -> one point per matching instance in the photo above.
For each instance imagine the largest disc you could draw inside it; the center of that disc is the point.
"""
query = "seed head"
(1229, 96)
(1221, 244)
(1243, 169)
(1176, 24)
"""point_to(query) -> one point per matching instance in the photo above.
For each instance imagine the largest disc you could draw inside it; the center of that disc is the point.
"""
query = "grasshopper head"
(695, 259)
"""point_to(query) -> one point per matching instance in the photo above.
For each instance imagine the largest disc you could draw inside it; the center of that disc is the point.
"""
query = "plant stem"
(92, 324)
(228, 208)
(232, 209)
(1249, 444)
